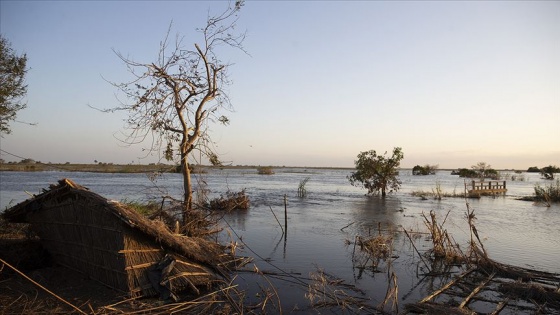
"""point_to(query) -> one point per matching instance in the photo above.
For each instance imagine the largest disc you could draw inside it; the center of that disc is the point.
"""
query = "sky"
(452, 83)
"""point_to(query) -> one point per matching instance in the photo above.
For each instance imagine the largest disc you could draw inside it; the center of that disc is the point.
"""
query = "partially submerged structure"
(113, 244)
(482, 188)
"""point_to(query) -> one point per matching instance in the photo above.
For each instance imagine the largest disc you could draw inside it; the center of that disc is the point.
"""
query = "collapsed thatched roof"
(197, 249)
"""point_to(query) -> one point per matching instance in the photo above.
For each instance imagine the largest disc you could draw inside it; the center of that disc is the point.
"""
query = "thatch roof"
(197, 249)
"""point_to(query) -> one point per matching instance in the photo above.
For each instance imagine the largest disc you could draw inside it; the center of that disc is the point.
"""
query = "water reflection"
(369, 211)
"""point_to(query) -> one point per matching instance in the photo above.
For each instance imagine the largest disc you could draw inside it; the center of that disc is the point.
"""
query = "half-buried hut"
(113, 244)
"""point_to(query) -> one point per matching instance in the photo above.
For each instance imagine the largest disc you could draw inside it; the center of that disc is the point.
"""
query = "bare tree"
(173, 99)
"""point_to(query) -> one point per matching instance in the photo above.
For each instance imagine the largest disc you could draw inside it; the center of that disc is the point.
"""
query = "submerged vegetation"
(545, 194)
(438, 193)
(548, 193)
(500, 287)
(265, 170)
(302, 191)
(549, 171)
(231, 201)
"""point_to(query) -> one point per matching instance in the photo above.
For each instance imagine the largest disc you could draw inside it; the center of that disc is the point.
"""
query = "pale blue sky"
(452, 83)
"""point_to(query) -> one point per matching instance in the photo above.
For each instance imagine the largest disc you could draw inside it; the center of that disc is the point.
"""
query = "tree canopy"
(12, 84)
(377, 173)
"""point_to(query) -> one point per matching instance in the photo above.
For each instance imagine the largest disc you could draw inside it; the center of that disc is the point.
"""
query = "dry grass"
(327, 291)
(437, 193)
(369, 251)
(443, 245)
(499, 286)
(380, 246)
(547, 194)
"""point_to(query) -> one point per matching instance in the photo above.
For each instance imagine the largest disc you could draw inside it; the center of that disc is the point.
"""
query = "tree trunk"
(187, 187)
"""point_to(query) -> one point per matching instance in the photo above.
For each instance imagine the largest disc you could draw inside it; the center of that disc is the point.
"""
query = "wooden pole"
(286, 215)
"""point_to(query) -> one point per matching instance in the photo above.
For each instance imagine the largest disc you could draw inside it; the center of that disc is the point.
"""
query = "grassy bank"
(130, 168)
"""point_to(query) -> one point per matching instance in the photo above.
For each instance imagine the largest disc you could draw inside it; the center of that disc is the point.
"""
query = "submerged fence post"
(285, 215)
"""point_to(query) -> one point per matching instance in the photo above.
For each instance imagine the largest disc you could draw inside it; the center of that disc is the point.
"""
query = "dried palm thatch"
(113, 244)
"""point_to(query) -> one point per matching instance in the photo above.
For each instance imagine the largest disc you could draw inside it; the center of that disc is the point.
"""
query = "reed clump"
(370, 251)
(328, 291)
(503, 287)
(378, 247)
(302, 191)
(231, 201)
(443, 245)
(437, 193)
(548, 194)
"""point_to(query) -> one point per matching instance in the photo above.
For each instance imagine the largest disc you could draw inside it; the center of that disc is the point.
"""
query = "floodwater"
(323, 225)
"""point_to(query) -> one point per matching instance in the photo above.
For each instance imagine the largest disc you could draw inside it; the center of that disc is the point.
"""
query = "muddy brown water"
(321, 225)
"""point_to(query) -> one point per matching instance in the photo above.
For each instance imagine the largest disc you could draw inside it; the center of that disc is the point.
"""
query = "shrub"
(548, 171)
(265, 170)
(476, 173)
(424, 170)
(231, 201)
(548, 193)
(465, 172)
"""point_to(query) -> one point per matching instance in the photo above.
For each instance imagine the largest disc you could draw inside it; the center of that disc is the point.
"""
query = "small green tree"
(377, 172)
(12, 88)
